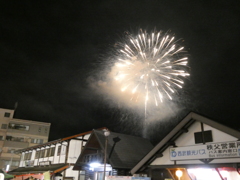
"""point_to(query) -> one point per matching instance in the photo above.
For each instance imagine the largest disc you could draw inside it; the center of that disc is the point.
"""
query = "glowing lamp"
(179, 174)
(106, 133)
(95, 164)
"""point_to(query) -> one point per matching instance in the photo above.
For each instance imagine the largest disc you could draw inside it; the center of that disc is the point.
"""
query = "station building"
(198, 148)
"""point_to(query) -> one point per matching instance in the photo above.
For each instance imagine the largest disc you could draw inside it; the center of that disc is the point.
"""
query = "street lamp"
(106, 134)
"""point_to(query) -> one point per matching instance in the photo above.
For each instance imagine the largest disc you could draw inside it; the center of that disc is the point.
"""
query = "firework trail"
(150, 67)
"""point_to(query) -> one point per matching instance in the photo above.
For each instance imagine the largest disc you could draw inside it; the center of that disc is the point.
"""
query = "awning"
(6, 176)
(54, 168)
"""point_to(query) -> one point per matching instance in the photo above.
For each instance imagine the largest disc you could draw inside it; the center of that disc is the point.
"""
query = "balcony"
(16, 144)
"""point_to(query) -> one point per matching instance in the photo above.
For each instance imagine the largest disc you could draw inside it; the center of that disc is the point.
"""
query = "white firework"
(150, 67)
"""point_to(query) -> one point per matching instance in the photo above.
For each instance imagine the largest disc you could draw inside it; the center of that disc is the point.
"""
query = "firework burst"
(150, 67)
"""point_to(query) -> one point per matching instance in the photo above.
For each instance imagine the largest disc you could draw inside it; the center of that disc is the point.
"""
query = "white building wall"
(35, 160)
(62, 157)
(33, 155)
(187, 139)
(51, 158)
(219, 136)
(164, 159)
(74, 150)
(56, 158)
(70, 173)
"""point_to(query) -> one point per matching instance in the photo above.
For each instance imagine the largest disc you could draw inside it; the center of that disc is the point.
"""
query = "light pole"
(106, 134)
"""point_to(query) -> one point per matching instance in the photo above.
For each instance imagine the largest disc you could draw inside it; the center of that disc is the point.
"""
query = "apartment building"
(17, 134)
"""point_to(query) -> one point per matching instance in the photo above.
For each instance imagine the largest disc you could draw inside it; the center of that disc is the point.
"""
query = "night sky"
(50, 49)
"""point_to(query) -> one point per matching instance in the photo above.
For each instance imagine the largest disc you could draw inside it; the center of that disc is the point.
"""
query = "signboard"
(206, 151)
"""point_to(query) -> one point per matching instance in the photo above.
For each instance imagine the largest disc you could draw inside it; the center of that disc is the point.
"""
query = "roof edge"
(179, 126)
(162, 142)
(56, 141)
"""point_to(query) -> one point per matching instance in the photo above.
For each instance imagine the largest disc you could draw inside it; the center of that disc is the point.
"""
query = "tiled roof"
(123, 151)
(127, 152)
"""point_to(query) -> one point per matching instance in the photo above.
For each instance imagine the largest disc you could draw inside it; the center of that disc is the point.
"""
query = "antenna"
(15, 107)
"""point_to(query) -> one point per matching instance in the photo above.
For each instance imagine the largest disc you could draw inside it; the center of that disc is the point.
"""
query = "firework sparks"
(150, 67)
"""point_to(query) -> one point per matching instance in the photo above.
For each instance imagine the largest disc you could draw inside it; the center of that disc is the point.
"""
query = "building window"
(48, 152)
(42, 153)
(82, 175)
(11, 150)
(45, 152)
(18, 126)
(29, 155)
(11, 138)
(52, 151)
(59, 150)
(25, 156)
(13, 163)
(7, 114)
(1, 138)
(203, 137)
(37, 154)
(37, 141)
(4, 126)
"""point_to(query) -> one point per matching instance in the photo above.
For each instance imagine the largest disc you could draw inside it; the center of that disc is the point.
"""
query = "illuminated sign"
(206, 151)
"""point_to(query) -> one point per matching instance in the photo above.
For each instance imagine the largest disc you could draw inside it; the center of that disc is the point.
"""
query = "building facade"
(198, 148)
(17, 134)
(56, 158)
